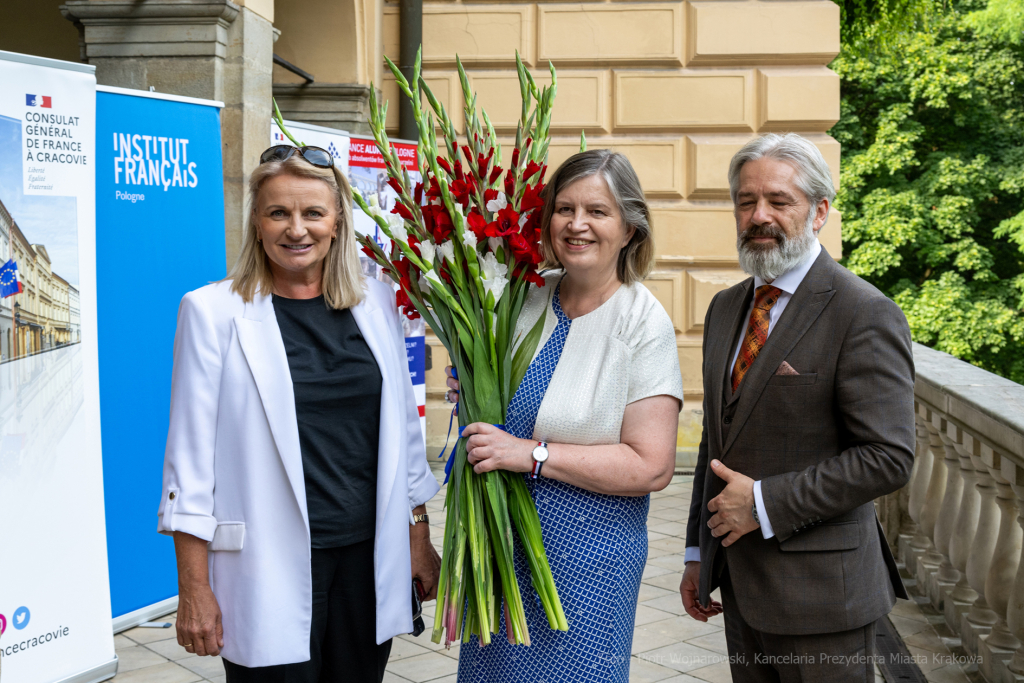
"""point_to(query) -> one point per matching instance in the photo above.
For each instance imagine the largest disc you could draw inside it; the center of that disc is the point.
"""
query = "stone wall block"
(802, 98)
(730, 33)
(481, 35)
(684, 100)
(667, 288)
(583, 101)
(658, 161)
(708, 157)
(702, 284)
(694, 234)
(335, 105)
(611, 34)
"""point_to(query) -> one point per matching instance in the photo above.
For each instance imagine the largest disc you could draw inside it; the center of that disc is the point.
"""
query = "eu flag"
(9, 279)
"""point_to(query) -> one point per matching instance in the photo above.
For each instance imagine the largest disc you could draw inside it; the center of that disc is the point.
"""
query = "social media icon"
(3, 624)
(21, 617)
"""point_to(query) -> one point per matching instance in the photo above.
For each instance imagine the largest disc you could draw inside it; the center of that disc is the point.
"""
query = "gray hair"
(636, 259)
(813, 176)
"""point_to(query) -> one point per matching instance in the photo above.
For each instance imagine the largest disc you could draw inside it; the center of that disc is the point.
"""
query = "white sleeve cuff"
(762, 515)
(692, 554)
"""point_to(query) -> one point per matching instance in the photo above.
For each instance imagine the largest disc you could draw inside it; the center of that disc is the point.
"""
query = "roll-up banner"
(159, 234)
(364, 166)
(54, 592)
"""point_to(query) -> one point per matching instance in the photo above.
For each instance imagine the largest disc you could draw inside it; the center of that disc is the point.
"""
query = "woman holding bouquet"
(295, 473)
(593, 425)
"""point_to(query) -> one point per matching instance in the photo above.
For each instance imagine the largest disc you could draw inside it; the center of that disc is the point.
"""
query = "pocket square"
(786, 369)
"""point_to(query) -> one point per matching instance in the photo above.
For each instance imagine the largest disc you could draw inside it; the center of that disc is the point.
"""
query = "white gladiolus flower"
(373, 201)
(523, 219)
(496, 205)
(493, 276)
(427, 252)
(447, 250)
(495, 243)
(469, 239)
(433, 277)
(398, 230)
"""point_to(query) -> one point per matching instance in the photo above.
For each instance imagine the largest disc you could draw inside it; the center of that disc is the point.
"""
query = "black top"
(337, 404)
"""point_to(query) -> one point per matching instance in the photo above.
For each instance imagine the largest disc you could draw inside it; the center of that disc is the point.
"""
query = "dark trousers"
(758, 657)
(342, 641)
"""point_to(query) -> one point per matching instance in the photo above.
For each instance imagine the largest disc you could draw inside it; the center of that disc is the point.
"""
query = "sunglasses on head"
(320, 158)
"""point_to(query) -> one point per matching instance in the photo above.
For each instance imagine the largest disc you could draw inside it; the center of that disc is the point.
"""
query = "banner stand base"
(103, 672)
(141, 616)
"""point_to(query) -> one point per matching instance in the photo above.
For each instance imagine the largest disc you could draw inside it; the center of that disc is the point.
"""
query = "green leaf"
(524, 354)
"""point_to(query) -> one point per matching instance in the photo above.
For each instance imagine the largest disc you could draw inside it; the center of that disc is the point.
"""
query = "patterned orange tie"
(757, 331)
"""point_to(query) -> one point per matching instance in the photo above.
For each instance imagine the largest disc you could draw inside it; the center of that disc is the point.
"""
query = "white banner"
(54, 591)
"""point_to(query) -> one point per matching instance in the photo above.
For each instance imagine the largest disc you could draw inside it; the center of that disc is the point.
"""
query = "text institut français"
(154, 161)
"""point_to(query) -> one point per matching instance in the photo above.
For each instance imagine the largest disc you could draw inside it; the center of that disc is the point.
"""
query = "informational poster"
(368, 175)
(333, 140)
(54, 591)
(159, 235)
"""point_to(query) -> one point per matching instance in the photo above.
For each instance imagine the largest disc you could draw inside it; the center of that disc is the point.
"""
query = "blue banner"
(159, 234)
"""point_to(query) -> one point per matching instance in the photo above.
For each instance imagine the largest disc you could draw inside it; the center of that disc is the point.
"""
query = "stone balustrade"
(958, 524)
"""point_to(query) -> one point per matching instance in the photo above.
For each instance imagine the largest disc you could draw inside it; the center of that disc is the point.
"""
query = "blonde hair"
(636, 259)
(342, 283)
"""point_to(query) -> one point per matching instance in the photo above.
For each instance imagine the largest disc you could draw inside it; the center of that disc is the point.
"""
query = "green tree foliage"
(932, 128)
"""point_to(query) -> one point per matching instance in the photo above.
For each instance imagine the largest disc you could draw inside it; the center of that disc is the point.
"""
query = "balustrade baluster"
(945, 578)
(959, 600)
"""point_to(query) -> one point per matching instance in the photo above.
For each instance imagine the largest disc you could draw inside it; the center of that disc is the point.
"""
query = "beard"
(769, 262)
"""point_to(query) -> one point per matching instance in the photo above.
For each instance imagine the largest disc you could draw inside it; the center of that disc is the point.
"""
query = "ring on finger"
(448, 395)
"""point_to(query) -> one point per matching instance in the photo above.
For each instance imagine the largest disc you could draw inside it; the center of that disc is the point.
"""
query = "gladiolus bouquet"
(464, 250)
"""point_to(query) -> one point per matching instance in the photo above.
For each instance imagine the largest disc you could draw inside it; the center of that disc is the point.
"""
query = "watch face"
(540, 454)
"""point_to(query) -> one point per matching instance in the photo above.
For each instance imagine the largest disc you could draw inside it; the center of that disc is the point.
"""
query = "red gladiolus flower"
(369, 252)
(529, 274)
(510, 183)
(531, 198)
(402, 211)
(458, 170)
(531, 170)
(505, 224)
(435, 189)
(490, 195)
(442, 223)
(523, 250)
(403, 301)
(482, 162)
(395, 185)
(478, 224)
(495, 174)
(461, 191)
(515, 158)
(418, 193)
(443, 163)
(414, 244)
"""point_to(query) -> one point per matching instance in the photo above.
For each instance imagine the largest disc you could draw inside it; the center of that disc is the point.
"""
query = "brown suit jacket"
(824, 444)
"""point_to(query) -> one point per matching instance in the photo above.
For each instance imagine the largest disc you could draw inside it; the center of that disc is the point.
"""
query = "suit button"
(727, 420)
(171, 496)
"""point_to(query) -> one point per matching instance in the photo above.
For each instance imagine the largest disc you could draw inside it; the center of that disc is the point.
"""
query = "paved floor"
(668, 646)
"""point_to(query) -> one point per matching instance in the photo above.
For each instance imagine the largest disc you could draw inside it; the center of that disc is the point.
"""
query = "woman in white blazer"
(295, 475)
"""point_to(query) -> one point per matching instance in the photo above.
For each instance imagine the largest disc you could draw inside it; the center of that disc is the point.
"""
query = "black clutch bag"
(417, 610)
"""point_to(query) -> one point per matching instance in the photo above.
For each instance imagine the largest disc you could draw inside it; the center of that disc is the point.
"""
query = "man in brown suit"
(808, 417)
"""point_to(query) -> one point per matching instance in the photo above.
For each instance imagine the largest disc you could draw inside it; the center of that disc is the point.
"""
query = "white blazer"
(233, 470)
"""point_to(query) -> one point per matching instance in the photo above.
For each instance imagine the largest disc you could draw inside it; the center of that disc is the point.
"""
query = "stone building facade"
(678, 86)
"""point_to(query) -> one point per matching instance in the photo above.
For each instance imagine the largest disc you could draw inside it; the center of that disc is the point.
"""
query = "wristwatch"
(416, 519)
(540, 456)
(753, 511)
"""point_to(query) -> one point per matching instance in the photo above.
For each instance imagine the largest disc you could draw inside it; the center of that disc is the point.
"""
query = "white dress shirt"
(788, 283)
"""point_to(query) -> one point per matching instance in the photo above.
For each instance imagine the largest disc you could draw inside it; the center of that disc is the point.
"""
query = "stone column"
(1015, 606)
(980, 618)
(919, 543)
(1000, 643)
(959, 600)
(929, 563)
(210, 49)
(942, 582)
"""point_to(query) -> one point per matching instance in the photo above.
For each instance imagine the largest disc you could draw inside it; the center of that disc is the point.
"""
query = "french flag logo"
(278, 137)
(38, 101)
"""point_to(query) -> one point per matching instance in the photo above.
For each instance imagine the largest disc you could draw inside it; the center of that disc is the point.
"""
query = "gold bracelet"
(416, 519)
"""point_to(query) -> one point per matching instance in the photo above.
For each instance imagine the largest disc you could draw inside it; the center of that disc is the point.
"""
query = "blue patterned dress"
(597, 547)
